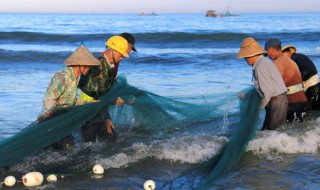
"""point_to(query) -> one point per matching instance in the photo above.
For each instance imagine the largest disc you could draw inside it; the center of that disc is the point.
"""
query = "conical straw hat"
(82, 56)
(249, 48)
(292, 49)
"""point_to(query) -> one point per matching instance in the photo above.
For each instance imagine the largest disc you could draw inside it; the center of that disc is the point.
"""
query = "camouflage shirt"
(61, 92)
(99, 79)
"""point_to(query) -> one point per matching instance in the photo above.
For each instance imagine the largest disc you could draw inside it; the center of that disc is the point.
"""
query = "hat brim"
(82, 57)
(249, 48)
(291, 48)
(246, 53)
(134, 48)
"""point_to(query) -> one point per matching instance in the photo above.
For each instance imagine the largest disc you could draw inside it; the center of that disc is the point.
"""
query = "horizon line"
(166, 13)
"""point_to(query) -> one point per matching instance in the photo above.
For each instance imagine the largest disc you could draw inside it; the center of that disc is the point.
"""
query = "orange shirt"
(291, 76)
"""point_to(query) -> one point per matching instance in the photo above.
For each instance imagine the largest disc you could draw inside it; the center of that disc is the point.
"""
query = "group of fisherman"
(288, 85)
(94, 78)
(288, 82)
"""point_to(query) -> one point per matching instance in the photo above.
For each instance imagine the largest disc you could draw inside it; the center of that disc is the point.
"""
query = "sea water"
(178, 56)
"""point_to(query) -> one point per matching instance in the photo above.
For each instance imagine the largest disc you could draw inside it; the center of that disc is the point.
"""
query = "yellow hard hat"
(119, 44)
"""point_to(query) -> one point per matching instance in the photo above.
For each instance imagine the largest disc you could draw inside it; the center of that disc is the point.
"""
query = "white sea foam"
(270, 144)
(186, 149)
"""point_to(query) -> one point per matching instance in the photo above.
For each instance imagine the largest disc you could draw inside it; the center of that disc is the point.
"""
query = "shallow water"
(179, 56)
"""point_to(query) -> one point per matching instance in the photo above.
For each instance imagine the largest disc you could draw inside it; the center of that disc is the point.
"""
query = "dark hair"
(130, 38)
(273, 42)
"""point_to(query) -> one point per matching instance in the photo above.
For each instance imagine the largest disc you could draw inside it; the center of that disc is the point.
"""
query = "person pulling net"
(142, 109)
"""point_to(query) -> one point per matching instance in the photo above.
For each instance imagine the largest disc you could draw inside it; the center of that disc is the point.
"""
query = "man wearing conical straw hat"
(62, 90)
(268, 82)
(309, 74)
(297, 100)
(98, 82)
(63, 87)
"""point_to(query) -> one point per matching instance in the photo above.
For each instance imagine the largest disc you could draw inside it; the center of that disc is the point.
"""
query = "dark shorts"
(295, 111)
(276, 112)
(313, 97)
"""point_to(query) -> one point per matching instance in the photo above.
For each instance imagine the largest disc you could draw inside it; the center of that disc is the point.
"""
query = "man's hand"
(48, 114)
(241, 96)
(109, 126)
(119, 101)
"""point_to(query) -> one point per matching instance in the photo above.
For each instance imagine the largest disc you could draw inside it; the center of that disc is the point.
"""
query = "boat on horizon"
(212, 13)
(151, 14)
(227, 13)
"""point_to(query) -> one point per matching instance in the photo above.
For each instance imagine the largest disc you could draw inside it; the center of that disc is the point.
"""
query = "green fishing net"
(207, 173)
(155, 115)
(245, 131)
(142, 110)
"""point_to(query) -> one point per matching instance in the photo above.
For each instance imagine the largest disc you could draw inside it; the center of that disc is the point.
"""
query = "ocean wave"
(9, 56)
(173, 48)
(186, 149)
(41, 37)
(56, 54)
(198, 38)
(272, 145)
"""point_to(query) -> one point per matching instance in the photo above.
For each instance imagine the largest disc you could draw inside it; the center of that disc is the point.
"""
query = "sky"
(158, 6)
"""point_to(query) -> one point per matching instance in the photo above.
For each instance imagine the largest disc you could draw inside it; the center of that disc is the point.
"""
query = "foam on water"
(179, 55)
(186, 149)
(270, 144)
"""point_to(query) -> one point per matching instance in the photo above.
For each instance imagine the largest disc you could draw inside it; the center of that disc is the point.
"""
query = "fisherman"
(297, 100)
(309, 74)
(131, 41)
(62, 90)
(98, 82)
(268, 82)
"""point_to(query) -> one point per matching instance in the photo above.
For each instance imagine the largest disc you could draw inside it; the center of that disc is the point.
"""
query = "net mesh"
(143, 111)
(237, 144)
(207, 173)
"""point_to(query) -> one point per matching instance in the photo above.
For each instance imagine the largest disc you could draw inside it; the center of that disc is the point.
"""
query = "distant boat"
(227, 13)
(151, 14)
(212, 13)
